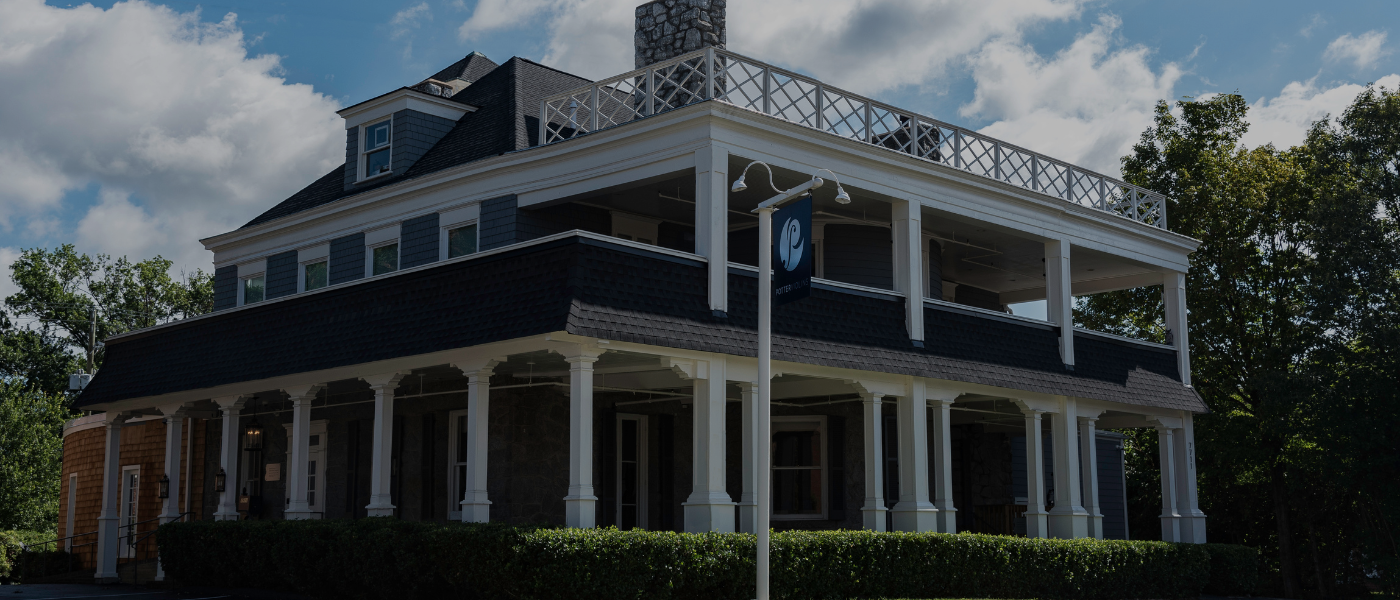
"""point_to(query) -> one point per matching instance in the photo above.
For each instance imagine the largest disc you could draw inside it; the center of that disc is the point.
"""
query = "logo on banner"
(792, 237)
(790, 244)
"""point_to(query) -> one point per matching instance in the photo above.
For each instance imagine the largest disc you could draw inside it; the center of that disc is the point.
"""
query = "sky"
(138, 128)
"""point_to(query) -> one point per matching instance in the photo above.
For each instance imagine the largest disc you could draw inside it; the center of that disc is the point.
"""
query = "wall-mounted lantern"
(253, 436)
(219, 481)
(164, 486)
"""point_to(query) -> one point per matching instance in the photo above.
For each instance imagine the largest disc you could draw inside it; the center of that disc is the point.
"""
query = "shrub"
(12, 553)
(372, 558)
(1234, 570)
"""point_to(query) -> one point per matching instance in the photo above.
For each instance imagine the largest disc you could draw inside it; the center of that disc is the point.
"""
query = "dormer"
(386, 135)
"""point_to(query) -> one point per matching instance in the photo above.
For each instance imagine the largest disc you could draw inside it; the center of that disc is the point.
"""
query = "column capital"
(1164, 423)
(174, 411)
(582, 358)
(232, 403)
(471, 366)
(1030, 408)
(298, 393)
(383, 381)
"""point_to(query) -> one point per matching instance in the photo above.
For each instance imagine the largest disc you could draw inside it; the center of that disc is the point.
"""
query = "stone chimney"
(670, 28)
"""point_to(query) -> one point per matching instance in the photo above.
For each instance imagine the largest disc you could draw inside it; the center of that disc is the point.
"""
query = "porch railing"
(714, 74)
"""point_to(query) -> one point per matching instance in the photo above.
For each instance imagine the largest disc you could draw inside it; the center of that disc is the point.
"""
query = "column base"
(873, 518)
(476, 512)
(1171, 528)
(947, 520)
(1096, 526)
(1037, 525)
(581, 511)
(748, 517)
(1069, 525)
(919, 517)
(108, 546)
(379, 511)
(1193, 529)
(709, 516)
(226, 515)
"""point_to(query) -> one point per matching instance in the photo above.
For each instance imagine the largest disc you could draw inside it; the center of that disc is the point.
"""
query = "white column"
(1059, 304)
(712, 220)
(381, 502)
(748, 502)
(908, 266)
(709, 507)
(1192, 522)
(914, 512)
(108, 520)
(476, 507)
(873, 513)
(942, 404)
(170, 506)
(1174, 298)
(228, 457)
(1088, 451)
(581, 506)
(1037, 525)
(300, 452)
(1068, 520)
(1166, 456)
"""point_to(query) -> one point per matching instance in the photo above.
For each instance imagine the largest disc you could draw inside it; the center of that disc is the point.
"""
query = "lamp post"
(765, 350)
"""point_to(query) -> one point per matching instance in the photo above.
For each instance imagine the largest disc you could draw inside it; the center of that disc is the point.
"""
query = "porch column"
(1192, 522)
(299, 506)
(170, 506)
(228, 457)
(108, 521)
(581, 506)
(1037, 525)
(712, 221)
(942, 403)
(709, 507)
(1174, 298)
(381, 502)
(1088, 451)
(873, 513)
(1059, 303)
(476, 507)
(1166, 456)
(748, 501)
(908, 266)
(914, 512)
(1068, 520)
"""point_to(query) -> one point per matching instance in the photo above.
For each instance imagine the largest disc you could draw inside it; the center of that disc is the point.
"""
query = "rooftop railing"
(713, 74)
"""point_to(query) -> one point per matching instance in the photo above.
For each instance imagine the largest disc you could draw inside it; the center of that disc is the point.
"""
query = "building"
(530, 297)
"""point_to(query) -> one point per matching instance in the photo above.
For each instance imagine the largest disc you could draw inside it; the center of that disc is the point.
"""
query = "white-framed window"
(457, 445)
(459, 239)
(798, 451)
(382, 258)
(252, 289)
(72, 510)
(315, 465)
(313, 275)
(375, 145)
(129, 508)
(631, 471)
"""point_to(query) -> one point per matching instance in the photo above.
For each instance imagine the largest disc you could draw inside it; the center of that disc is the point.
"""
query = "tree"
(31, 442)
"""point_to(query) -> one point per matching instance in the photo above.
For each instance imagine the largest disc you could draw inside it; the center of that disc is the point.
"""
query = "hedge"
(1234, 570)
(375, 558)
(14, 560)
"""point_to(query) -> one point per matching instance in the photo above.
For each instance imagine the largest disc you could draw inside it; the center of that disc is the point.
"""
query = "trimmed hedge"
(1234, 570)
(12, 555)
(375, 558)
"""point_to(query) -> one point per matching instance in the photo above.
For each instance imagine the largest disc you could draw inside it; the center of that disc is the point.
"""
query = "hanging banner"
(792, 252)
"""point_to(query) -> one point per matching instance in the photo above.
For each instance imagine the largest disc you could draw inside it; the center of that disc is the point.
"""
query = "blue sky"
(138, 128)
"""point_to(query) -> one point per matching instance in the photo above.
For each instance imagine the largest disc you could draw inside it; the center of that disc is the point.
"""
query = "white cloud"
(1313, 23)
(184, 132)
(8, 256)
(406, 22)
(1284, 119)
(1363, 50)
(1087, 104)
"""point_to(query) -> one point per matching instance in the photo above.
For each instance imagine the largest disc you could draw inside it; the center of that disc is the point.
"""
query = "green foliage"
(12, 555)
(375, 558)
(31, 454)
(1234, 570)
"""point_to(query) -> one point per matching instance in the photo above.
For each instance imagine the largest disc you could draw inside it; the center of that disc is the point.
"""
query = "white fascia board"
(313, 253)
(252, 267)
(404, 99)
(456, 216)
(383, 234)
(1084, 288)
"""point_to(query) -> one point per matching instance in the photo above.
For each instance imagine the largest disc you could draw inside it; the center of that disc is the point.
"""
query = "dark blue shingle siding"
(498, 216)
(347, 262)
(281, 274)
(414, 134)
(935, 271)
(859, 254)
(1111, 498)
(418, 241)
(225, 287)
(352, 157)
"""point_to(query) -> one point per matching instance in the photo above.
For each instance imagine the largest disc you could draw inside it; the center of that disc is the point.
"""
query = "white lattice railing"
(773, 91)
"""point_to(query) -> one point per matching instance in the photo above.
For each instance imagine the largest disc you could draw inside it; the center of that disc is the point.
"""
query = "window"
(253, 288)
(631, 471)
(130, 487)
(457, 462)
(315, 465)
(374, 149)
(314, 275)
(384, 259)
(461, 241)
(799, 467)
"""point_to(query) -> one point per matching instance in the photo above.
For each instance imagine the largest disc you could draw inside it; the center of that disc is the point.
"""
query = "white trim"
(301, 273)
(315, 503)
(460, 214)
(956, 306)
(1124, 339)
(252, 267)
(642, 465)
(454, 500)
(369, 258)
(821, 429)
(403, 99)
(243, 285)
(378, 235)
(443, 232)
(362, 151)
(98, 420)
(311, 253)
(72, 510)
(125, 506)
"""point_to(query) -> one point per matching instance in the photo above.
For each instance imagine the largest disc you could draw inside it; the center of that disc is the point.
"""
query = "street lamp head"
(841, 196)
(739, 185)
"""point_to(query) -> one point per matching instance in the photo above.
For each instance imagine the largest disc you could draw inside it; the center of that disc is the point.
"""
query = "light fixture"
(739, 185)
(841, 196)
(252, 437)
(219, 481)
(164, 487)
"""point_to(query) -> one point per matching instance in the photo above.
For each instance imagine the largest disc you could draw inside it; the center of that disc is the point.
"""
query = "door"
(631, 471)
(315, 467)
(127, 511)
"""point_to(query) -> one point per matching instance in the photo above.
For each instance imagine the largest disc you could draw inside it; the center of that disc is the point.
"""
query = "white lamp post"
(765, 350)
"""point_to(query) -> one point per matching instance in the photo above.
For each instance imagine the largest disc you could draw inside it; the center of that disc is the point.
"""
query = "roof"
(607, 290)
(471, 68)
(508, 97)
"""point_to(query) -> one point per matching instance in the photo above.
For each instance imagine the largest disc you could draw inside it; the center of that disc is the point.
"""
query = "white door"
(127, 511)
(315, 466)
(631, 471)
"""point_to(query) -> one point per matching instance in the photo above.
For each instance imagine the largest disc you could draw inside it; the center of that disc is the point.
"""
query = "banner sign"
(792, 252)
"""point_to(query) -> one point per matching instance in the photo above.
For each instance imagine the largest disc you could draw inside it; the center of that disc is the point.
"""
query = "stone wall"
(670, 28)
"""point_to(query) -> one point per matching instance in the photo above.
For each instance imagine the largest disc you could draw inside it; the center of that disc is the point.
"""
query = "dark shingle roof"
(507, 98)
(601, 289)
(470, 68)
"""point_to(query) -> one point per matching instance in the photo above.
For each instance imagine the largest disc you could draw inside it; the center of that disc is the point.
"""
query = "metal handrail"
(724, 76)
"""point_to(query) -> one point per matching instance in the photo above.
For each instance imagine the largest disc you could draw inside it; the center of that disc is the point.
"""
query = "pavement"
(67, 591)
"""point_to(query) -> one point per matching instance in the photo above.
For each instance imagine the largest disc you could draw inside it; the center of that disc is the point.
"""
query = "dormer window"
(253, 288)
(374, 151)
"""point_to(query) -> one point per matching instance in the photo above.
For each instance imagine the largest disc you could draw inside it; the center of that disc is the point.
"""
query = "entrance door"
(315, 467)
(127, 511)
(631, 471)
